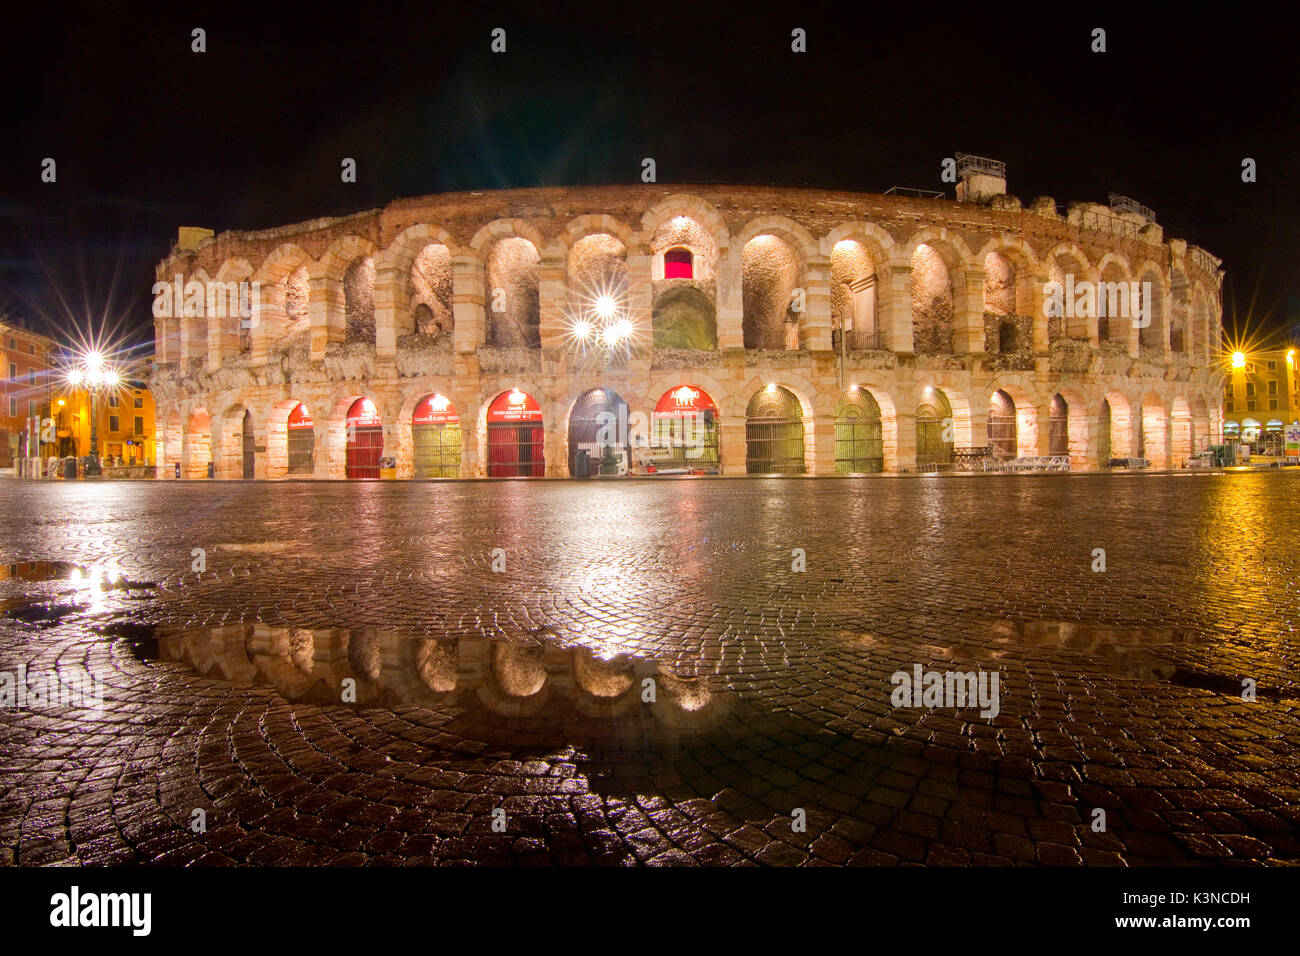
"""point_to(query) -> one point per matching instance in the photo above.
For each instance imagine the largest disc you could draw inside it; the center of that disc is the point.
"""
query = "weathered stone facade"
(471, 295)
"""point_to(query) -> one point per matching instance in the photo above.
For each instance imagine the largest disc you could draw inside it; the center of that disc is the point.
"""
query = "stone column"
(327, 315)
(895, 307)
(553, 295)
(731, 445)
(388, 324)
(469, 316)
(731, 306)
(640, 298)
(823, 444)
(556, 439)
(968, 313)
(905, 459)
(815, 325)
(1044, 425)
(269, 323)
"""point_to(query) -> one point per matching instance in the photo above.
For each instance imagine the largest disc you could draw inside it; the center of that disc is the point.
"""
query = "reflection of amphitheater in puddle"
(535, 682)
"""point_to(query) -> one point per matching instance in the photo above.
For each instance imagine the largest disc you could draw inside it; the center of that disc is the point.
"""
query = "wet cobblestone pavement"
(522, 689)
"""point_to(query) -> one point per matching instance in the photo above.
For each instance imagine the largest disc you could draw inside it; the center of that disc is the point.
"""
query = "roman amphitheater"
(722, 329)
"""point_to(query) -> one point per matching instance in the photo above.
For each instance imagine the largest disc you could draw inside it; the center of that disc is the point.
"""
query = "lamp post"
(94, 376)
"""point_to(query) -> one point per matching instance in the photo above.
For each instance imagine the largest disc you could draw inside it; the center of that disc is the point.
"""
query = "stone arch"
(859, 433)
(684, 317)
(889, 418)
(792, 233)
(775, 439)
(400, 254)
(596, 269)
(999, 284)
(934, 302)
(577, 229)
(232, 447)
(529, 450)
(506, 229)
(1063, 261)
(876, 240)
(685, 204)
(1070, 433)
(685, 231)
(855, 290)
(935, 424)
(205, 306)
(771, 269)
(342, 253)
(1180, 329)
(1204, 338)
(509, 259)
(277, 437)
(429, 290)
(1154, 333)
(1112, 295)
(1030, 407)
(280, 268)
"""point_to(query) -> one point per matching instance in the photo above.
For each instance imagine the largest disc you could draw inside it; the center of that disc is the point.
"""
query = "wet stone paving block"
(873, 672)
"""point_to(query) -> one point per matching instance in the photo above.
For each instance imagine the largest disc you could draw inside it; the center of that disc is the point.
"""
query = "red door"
(515, 437)
(365, 440)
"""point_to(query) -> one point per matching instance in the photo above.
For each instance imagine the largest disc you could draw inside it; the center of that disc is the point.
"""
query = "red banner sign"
(514, 406)
(298, 418)
(363, 414)
(684, 400)
(435, 410)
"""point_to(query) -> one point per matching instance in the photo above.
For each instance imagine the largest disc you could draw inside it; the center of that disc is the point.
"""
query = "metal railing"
(1120, 203)
(915, 193)
(980, 164)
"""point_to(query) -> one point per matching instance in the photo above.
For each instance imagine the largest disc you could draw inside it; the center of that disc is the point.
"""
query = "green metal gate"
(774, 434)
(933, 426)
(859, 445)
(437, 450)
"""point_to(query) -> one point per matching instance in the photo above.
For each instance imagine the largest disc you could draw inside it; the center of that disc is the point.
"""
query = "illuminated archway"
(301, 441)
(774, 433)
(365, 440)
(859, 439)
(436, 438)
(598, 425)
(514, 437)
(934, 432)
(684, 431)
(1002, 425)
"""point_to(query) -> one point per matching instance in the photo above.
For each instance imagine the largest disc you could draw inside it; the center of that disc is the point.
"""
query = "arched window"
(679, 263)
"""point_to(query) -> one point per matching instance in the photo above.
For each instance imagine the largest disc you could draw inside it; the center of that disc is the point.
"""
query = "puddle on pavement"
(540, 682)
(87, 593)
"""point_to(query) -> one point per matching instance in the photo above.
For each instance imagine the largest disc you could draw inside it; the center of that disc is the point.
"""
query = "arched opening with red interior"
(301, 440)
(365, 439)
(436, 438)
(679, 263)
(515, 438)
(684, 432)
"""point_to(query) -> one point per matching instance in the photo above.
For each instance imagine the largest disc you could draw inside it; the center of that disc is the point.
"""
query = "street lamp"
(95, 375)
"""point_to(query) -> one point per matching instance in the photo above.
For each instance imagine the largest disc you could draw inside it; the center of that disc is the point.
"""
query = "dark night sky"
(149, 136)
